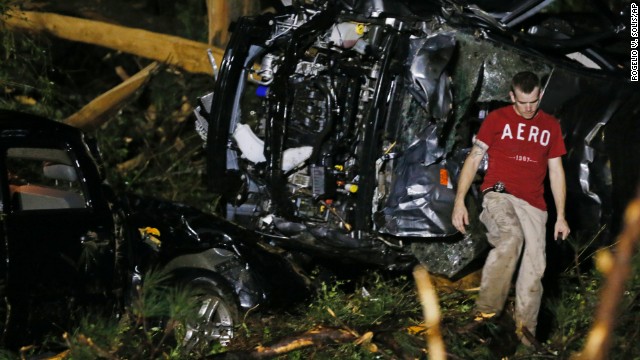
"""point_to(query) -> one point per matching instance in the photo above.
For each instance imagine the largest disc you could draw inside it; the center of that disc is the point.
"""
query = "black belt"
(497, 187)
(486, 191)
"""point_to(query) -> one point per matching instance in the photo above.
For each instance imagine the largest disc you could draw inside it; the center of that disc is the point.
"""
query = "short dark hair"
(525, 81)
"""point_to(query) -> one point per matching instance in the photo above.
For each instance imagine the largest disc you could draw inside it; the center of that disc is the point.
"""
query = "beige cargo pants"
(512, 224)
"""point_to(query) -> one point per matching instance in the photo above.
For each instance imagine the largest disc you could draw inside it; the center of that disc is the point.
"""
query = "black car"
(69, 241)
(338, 128)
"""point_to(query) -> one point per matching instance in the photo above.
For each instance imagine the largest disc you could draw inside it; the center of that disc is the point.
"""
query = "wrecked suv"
(69, 241)
(338, 128)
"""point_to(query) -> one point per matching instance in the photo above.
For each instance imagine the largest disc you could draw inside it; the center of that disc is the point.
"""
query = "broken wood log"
(314, 337)
(172, 50)
(431, 311)
(100, 109)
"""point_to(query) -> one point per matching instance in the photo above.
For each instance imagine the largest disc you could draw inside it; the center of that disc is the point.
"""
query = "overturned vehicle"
(338, 128)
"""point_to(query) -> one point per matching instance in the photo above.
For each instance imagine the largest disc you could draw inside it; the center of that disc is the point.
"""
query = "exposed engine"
(331, 90)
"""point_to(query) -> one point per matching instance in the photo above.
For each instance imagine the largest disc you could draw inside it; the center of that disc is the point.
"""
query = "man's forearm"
(469, 170)
(558, 187)
(559, 197)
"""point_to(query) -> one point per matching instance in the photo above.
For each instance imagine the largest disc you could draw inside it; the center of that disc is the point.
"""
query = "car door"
(58, 246)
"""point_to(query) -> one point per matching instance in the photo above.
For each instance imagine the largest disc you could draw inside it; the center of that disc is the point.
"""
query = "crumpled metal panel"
(420, 203)
(421, 198)
(431, 84)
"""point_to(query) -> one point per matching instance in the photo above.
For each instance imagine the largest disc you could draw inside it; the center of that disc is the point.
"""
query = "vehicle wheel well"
(209, 279)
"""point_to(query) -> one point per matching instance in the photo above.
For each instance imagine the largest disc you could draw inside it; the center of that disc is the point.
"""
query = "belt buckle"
(499, 187)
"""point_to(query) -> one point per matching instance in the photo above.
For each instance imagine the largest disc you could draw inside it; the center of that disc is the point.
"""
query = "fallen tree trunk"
(221, 13)
(172, 50)
(218, 32)
(100, 109)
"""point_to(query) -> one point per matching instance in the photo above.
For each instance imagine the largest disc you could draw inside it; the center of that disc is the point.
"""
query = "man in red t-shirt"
(522, 143)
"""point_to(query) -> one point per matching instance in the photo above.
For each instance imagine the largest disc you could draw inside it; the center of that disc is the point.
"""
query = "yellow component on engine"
(352, 188)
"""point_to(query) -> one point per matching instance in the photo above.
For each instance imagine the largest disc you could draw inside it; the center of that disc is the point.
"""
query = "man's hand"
(559, 191)
(561, 229)
(460, 216)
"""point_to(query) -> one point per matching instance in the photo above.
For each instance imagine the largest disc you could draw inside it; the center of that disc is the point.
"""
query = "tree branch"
(100, 109)
(599, 339)
(172, 50)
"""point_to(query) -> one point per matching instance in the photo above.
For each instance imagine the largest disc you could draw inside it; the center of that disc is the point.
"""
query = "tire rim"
(214, 322)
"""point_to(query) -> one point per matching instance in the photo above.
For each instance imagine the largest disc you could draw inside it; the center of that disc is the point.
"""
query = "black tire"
(217, 313)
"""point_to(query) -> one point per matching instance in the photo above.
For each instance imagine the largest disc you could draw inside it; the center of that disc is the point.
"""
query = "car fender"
(226, 264)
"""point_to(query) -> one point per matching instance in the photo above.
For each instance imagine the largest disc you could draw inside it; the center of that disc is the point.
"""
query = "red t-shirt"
(519, 150)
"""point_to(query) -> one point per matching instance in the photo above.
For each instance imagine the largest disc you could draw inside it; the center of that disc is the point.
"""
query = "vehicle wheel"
(217, 313)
